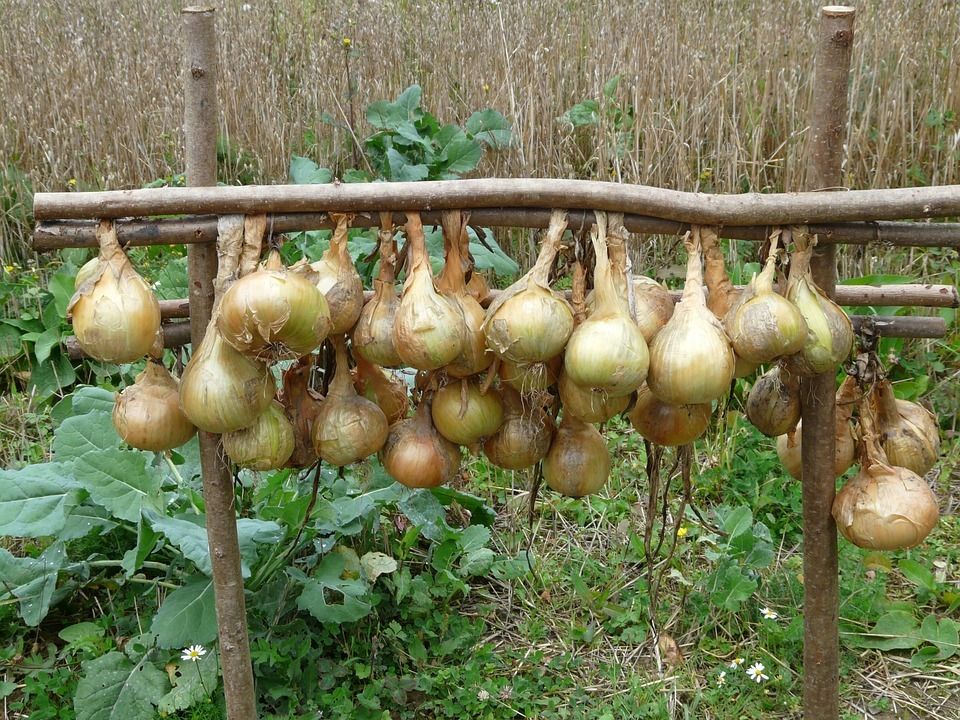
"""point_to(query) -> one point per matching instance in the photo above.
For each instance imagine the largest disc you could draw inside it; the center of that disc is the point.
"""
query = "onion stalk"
(338, 279)
(373, 334)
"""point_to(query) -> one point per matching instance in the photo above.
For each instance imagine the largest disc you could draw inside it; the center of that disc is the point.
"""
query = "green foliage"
(739, 553)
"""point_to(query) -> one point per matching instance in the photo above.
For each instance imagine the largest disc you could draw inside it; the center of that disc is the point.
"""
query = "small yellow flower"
(72, 182)
(682, 531)
(736, 662)
(486, 87)
(8, 268)
(347, 42)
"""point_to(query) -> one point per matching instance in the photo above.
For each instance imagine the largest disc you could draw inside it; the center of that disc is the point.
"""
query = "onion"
(475, 357)
(273, 313)
(529, 378)
(464, 414)
(265, 445)
(773, 405)
(429, 329)
(147, 414)
(116, 317)
(691, 361)
(591, 406)
(87, 271)
(416, 455)
(607, 351)
(578, 463)
(338, 279)
(222, 390)
(789, 447)
(653, 306)
(375, 384)
(829, 331)
(665, 424)
(883, 507)
(528, 322)
(373, 334)
(524, 437)
(302, 404)
(348, 427)
(908, 432)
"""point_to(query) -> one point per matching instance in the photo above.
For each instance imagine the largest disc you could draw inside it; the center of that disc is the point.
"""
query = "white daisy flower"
(736, 662)
(721, 678)
(755, 672)
(193, 653)
(768, 614)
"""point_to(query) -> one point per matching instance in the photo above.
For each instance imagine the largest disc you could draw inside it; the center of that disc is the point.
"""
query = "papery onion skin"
(908, 432)
(773, 405)
(530, 378)
(578, 463)
(383, 388)
(373, 333)
(653, 306)
(416, 455)
(222, 390)
(265, 445)
(87, 271)
(464, 415)
(588, 405)
(665, 424)
(302, 403)
(147, 414)
(337, 278)
(525, 436)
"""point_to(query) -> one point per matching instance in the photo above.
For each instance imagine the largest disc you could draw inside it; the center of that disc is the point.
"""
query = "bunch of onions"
(273, 313)
(373, 334)
(773, 405)
(416, 455)
(429, 329)
(665, 424)
(348, 427)
(578, 462)
(302, 404)
(530, 378)
(222, 390)
(789, 446)
(607, 351)
(908, 432)
(766, 325)
(376, 384)
(829, 330)
(474, 357)
(265, 445)
(691, 361)
(883, 507)
(338, 279)
(147, 414)
(587, 404)
(116, 317)
(464, 414)
(528, 322)
(524, 436)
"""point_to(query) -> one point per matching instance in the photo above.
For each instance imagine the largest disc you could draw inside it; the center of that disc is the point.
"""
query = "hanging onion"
(302, 404)
(348, 427)
(525, 435)
(387, 391)
(665, 424)
(265, 445)
(464, 414)
(528, 322)
(147, 414)
(908, 432)
(530, 378)
(653, 306)
(87, 271)
(338, 279)
(373, 334)
(429, 329)
(416, 455)
(773, 405)
(691, 361)
(883, 507)
(115, 315)
(591, 406)
(578, 462)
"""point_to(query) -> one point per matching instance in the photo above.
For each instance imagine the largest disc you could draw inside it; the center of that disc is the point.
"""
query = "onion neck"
(273, 261)
(693, 286)
(338, 253)
(341, 385)
(763, 283)
(888, 415)
(549, 248)
(715, 274)
(451, 280)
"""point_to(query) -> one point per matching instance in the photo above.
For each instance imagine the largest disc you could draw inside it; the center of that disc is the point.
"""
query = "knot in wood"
(197, 72)
(843, 37)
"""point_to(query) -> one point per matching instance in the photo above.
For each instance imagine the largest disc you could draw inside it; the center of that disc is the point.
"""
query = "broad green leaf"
(375, 564)
(494, 258)
(355, 176)
(476, 562)
(61, 287)
(610, 86)
(31, 581)
(53, 376)
(462, 155)
(896, 630)
(36, 500)
(491, 128)
(426, 512)
(877, 280)
(188, 616)
(10, 344)
(119, 480)
(90, 398)
(402, 171)
(83, 520)
(473, 537)
(583, 113)
(941, 634)
(480, 512)
(408, 131)
(729, 587)
(735, 522)
(81, 634)
(918, 574)
(193, 682)
(146, 540)
(304, 171)
(44, 345)
(171, 281)
(113, 687)
(385, 115)
(322, 589)
(84, 433)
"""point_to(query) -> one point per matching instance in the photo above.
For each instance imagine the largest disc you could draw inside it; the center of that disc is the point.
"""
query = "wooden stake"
(201, 120)
(821, 630)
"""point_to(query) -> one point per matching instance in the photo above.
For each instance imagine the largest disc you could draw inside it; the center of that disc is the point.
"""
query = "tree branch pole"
(821, 607)
(201, 119)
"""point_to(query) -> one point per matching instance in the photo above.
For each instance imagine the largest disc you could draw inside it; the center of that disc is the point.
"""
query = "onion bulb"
(464, 414)
(86, 272)
(589, 405)
(665, 424)
(773, 405)
(528, 322)
(829, 331)
(578, 462)
(376, 384)
(525, 435)
(653, 306)
(883, 507)
(416, 455)
(273, 313)
(691, 361)
(429, 329)
(348, 427)
(302, 404)
(908, 432)
(222, 390)
(530, 378)
(789, 447)
(373, 334)
(147, 414)
(116, 317)
(265, 445)
(338, 279)
(607, 351)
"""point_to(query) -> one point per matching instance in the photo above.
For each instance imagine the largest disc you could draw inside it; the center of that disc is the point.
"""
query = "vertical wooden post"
(821, 631)
(201, 119)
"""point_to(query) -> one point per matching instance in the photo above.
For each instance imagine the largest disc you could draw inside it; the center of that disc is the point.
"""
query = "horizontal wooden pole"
(702, 208)
(174, 308)
(57, 234)
(174, 335)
